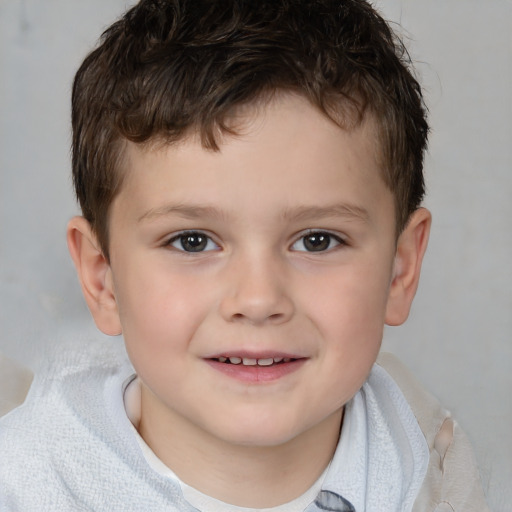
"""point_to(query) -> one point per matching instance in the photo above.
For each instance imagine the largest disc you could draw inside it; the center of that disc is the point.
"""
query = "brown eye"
(193, 241)
(317, 241)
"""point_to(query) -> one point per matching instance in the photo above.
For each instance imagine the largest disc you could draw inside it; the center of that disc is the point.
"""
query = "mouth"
(256, 368)
(253, 361)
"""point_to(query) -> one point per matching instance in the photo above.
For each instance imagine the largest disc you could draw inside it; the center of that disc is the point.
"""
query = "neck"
(244, 475)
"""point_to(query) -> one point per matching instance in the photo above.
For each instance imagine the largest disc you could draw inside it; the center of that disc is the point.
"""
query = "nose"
(257, 292)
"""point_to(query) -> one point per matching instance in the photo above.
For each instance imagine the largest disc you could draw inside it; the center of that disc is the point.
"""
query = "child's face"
(279, 248)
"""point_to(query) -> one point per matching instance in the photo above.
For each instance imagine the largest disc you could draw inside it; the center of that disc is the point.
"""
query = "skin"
(256, 290)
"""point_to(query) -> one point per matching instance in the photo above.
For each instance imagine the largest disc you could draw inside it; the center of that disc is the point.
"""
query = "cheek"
(159, 312)
(349, 314)
(349, 302)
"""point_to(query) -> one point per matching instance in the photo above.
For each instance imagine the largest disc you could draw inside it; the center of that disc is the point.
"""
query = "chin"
(254, 433)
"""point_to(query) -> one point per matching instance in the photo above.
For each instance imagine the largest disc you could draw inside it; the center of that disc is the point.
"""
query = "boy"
(250, 177)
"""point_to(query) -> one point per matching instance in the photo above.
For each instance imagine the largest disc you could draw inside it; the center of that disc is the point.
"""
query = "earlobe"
(94, 274)
(411, 248)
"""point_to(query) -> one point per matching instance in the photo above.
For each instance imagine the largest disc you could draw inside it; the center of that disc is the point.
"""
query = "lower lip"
(256, 373)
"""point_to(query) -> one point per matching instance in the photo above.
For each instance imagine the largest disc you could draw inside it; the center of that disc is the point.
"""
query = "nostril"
(257, 318)
(256, 305)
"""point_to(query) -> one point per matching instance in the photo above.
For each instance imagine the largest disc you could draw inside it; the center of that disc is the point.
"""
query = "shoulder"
(70, 445)
(25, 438)
(452, 479)
(57, 429)
(15, 381)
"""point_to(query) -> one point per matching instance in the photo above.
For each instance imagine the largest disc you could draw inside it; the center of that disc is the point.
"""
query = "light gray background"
(457, 340)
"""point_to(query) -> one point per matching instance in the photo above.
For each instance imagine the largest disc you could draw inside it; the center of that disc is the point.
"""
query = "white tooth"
(235, 360)
(265, 362)
(286, 360)
(277, 359)
(223, 359)
(249, 362)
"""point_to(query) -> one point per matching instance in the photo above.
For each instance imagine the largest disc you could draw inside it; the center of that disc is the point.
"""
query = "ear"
(94, 274)
(411, 247)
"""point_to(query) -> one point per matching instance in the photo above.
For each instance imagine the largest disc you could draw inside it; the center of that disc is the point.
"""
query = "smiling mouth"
(254, 368)
(249, 361)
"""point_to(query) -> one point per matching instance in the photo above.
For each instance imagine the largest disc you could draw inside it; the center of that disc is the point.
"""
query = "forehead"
(284, 146)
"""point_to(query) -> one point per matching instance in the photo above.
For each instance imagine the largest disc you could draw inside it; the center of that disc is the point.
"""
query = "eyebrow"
(182, 210)
(348, 211)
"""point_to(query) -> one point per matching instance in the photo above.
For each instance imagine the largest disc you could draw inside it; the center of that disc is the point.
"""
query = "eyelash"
(204, 242)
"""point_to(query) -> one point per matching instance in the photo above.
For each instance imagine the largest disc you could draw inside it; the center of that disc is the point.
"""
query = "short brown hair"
(171, 66)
